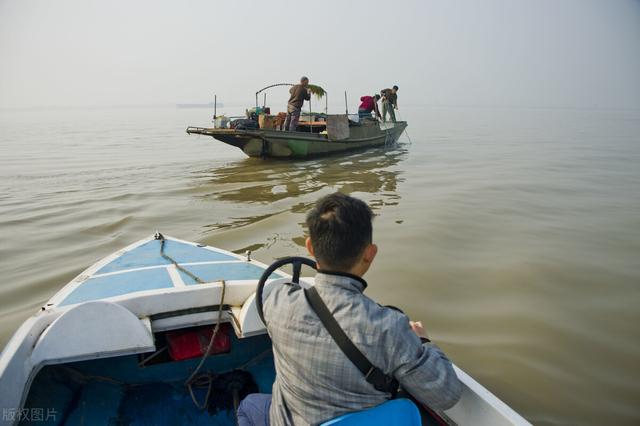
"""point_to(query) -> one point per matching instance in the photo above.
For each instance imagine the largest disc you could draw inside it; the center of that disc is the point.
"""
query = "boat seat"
(397, 412)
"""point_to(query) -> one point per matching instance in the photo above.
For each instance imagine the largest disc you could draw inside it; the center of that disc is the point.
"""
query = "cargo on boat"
(261, 134)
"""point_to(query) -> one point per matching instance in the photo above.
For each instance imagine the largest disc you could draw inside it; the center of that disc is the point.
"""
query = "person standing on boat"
(299, 94)
(369, 104)
(316, 380)
(389, 103)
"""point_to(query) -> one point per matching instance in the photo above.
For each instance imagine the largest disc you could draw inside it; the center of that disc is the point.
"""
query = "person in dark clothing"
(389, 103)
(369, 104)
(299, 94)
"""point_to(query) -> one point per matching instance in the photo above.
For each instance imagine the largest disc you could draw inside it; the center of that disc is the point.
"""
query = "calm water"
(514, 235)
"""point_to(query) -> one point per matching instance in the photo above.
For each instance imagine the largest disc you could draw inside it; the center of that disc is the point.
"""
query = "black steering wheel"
(297, 263)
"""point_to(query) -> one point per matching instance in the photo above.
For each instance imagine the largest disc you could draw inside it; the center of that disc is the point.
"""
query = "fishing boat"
(260, 134)
(166, 331)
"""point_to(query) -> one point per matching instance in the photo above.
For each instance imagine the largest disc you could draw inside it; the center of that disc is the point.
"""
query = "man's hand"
(417, 328)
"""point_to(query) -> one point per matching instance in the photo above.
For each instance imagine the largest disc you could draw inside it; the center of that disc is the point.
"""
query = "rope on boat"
(213, 336)
(206, 379)
(408, 137)
(192, 378)
(405, 131)
(160, 237)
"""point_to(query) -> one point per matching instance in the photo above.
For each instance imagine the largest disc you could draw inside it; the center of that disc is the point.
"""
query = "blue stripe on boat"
(119, 284)
(224, 271)
(148, 254)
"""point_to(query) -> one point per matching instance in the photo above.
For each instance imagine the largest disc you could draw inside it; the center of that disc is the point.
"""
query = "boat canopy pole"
(346, 105)
(310, 117)
(215, 105)
(269, 87)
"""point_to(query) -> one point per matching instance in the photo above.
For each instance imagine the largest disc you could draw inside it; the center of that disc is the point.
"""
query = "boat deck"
(142, 269)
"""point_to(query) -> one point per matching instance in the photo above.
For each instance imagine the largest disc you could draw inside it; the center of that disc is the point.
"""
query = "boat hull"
(281, 144)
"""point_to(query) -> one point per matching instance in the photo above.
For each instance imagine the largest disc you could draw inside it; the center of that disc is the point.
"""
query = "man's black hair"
(340, 229)
(395, 87)
(376, 96)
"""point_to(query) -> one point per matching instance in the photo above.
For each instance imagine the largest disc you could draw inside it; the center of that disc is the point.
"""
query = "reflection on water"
(254, 183)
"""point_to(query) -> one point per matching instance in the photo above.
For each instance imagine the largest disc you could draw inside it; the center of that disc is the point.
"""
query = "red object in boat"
(192, 343)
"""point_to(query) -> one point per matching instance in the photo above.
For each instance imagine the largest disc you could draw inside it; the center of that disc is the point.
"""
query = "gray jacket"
(316, 382)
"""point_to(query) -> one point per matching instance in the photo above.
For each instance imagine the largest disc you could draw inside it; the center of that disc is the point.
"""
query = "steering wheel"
(297, 263)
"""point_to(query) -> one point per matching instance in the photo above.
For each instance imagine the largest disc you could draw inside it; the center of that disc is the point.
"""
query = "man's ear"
(309, 246)
(370, 253)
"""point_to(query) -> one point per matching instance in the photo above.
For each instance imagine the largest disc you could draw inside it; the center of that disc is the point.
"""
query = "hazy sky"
(538, 53)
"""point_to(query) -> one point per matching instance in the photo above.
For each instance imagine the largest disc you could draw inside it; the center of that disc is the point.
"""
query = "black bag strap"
(372, 374)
